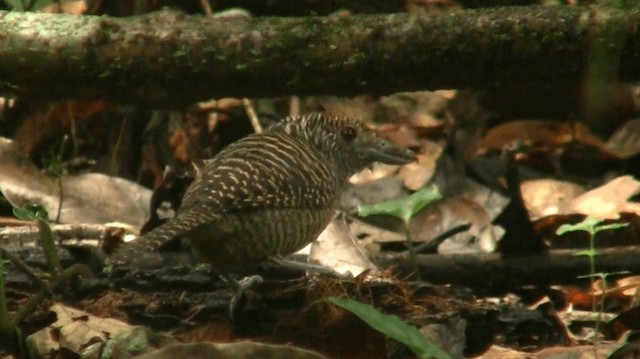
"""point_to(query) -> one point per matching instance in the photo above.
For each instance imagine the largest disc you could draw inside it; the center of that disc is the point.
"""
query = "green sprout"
(37, 213)
(592, 226)
(404, 209)
(10, 332)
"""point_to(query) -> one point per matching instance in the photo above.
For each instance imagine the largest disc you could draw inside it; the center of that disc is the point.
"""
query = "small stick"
(255, 122)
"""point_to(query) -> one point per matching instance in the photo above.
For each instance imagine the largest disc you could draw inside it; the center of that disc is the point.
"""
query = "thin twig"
(255, 122)
(206, 7)
(58, 173)
(294, 106)
(113, 167)
(74, 130)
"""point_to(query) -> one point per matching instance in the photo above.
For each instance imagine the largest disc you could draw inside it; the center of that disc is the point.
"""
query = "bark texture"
(170, 59)
(494, 271)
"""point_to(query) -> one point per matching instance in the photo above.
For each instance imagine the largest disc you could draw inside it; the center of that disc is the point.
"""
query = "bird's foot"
(239, 287)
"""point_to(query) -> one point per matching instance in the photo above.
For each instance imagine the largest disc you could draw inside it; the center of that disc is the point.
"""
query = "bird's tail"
(143, 250)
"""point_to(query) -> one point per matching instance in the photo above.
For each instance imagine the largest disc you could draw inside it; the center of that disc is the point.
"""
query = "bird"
(270, 194)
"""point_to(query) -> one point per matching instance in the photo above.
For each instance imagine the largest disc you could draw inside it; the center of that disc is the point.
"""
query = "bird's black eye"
(349, 133)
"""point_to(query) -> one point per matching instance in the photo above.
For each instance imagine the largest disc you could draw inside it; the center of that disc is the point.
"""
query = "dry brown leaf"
(625, 142)
(545, 197)
(66, 7)
(337, 249)
(375, 172)
(74, 330)
(87, 198)
(420, 105)
(537, 133)
(452, 212)
(630, 284)
(608, 200)
(402, 136)
(577, 352)
(239, 350)
(41, 123)
(361, 107)
(417, 174)
(371, 235)
(448, 335)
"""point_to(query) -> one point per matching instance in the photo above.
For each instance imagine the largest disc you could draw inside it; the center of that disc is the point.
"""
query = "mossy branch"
(171, 59)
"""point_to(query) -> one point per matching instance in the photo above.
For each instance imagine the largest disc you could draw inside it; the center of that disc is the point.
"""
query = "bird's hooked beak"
(385, 152)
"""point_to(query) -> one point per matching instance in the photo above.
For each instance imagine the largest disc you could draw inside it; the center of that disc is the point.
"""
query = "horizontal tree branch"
(327, 7)
(494, 271)
(171, 59)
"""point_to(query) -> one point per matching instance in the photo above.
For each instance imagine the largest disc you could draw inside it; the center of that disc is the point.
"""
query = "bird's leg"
(239, 287)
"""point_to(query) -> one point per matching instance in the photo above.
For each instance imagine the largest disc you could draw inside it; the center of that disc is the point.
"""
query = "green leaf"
(604, 275)
(590, 225)
(48, 241)
(52, 164)
(606, 227)
(587, 225)
(31, 212)
(393, 327)
(403, 208)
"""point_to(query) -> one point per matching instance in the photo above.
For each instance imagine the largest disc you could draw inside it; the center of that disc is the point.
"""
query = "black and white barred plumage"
(270, 194)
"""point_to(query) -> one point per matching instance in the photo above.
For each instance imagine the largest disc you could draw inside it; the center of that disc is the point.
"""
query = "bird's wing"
(268, 171)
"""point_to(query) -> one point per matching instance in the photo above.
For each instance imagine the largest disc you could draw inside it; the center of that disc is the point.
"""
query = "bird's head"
(345, 141)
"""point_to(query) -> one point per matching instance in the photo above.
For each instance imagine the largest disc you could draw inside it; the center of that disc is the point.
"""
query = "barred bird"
(268, 195)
